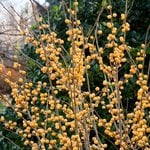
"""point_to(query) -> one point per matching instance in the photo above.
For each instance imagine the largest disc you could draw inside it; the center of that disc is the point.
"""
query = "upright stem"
(119, 104)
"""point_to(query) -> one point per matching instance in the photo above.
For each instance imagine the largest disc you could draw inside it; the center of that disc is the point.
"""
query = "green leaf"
(104, 3)
(148, 51)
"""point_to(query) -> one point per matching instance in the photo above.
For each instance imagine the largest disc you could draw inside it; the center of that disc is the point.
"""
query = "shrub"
(67, 109)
